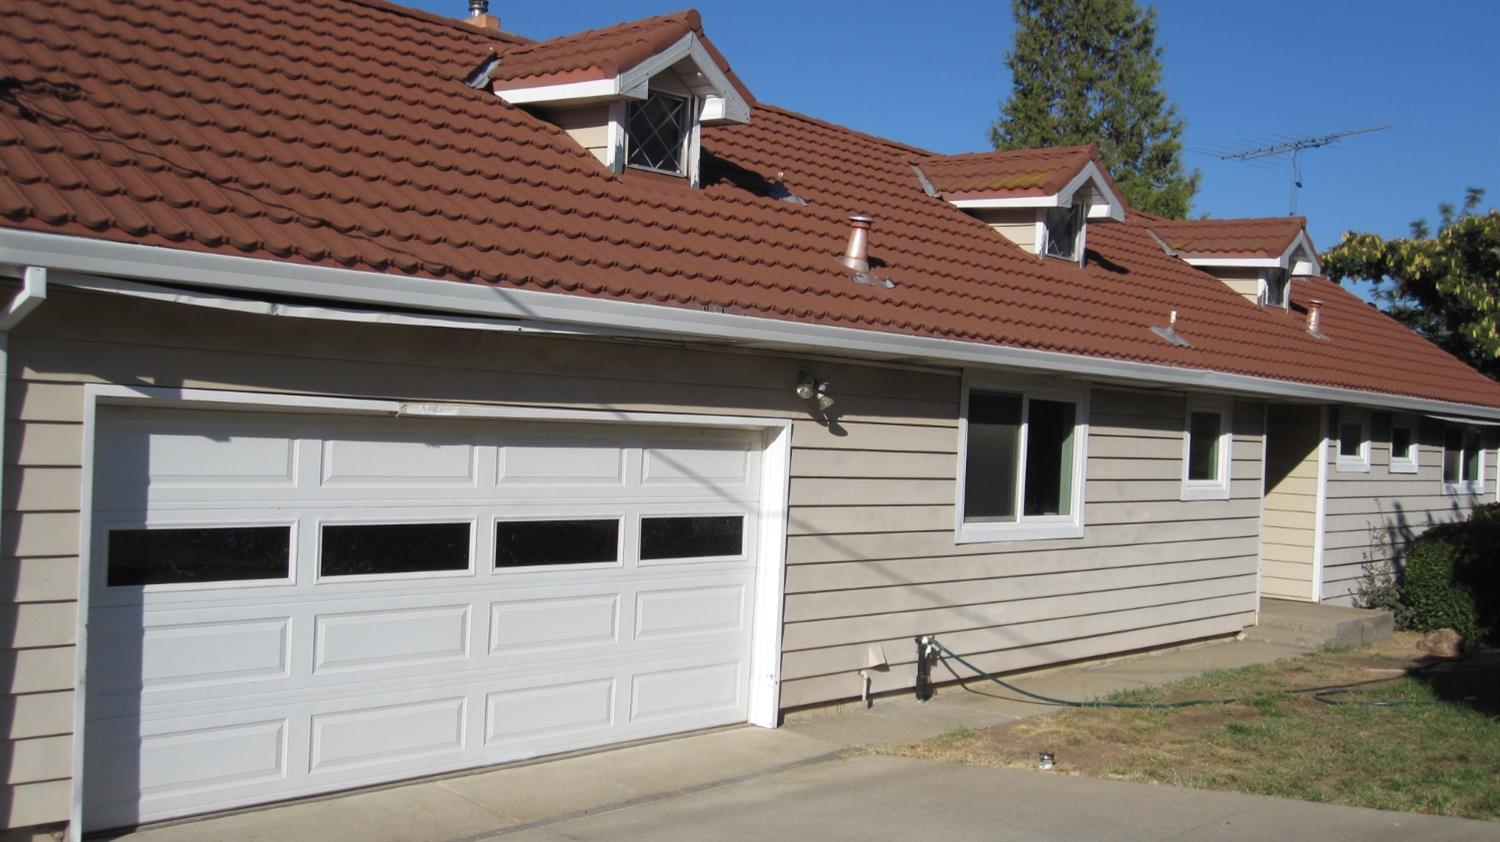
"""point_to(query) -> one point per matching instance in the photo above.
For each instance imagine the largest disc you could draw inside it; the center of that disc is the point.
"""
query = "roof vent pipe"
(478, 8)
(856, 256)
(1313, 314)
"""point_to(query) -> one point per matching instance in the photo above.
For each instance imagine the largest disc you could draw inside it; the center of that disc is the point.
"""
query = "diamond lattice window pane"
(656, 128)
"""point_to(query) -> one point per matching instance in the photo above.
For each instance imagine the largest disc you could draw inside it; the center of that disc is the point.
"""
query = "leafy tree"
(1089, 71)
(1446, 287)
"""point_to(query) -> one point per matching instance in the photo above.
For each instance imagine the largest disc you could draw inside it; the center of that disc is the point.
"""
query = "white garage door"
(287, 604)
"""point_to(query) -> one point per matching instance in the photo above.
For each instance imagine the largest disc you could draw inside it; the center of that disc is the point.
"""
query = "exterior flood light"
(810, 388)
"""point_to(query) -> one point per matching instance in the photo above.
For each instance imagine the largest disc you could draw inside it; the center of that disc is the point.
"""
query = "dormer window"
(1064, 231)
(656, 133)
(1273, 291)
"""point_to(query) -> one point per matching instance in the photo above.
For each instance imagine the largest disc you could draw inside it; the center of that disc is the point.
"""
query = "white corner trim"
(255, 276)
(1320, 507)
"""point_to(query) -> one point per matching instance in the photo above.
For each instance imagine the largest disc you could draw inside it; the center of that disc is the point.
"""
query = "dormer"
(1039, 199)
(633, 95)
(1256, 258)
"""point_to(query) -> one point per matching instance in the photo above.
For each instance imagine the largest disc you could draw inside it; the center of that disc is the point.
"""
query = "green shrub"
(1430, 589)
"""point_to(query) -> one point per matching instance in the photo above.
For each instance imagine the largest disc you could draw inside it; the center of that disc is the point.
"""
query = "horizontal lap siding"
(1289, 516)
(1372, 517)
(871, 553)
(1149, 570)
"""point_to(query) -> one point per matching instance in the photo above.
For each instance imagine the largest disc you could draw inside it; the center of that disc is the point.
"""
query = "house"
(389, 395)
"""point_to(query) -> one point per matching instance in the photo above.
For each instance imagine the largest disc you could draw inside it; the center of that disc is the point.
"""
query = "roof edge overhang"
(81, 256)
(1106, 203)
(1299, 258)
(723, 100)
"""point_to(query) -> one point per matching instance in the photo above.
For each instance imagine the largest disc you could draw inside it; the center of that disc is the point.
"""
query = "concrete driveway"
(814, 779)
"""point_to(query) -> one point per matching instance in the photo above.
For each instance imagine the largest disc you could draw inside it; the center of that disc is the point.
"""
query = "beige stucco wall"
(871, 552)
(1373, 516)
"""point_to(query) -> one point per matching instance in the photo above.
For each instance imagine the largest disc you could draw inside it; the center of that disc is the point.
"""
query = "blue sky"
(1243, 74)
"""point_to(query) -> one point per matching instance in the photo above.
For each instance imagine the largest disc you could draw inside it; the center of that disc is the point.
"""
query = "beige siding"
(1371, 517)
(1017, 225)
(1246, 282)
(871, 551)
(587, 125)
(1289, 512)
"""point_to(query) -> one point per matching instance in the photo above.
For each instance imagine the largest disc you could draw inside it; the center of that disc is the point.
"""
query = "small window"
(691, 537)
(1463, 460)
(657, 133)
(1021, 467)
(1403, 447)
(1065, 231)
(1275, 290)
(530, 543)
(384, 548)
(199, 555)
(1354, 442)
(1206, 451)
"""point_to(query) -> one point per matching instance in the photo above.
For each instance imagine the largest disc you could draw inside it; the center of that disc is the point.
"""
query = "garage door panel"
(397, 646)
(191, 649)
(381, 638)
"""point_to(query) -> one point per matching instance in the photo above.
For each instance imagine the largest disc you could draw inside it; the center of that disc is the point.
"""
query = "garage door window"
(186, 556)
(533, 543)
(691, 537)
(385, 548)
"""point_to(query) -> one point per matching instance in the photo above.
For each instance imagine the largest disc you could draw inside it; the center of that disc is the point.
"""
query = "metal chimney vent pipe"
(856, 256)
(1313, 313)
(478, 8)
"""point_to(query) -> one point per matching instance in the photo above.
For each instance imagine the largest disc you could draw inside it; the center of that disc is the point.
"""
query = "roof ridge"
(1055, 151)
(688, 16)
(807, 118)
(456, 24)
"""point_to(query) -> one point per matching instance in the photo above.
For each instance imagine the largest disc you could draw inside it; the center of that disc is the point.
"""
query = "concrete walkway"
(797, 782)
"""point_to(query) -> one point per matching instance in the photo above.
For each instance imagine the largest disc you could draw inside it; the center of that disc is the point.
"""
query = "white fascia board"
(1050, 201)
(736, 109)
(1233, 262)
(594, 89)
(1112, 207)
(253, 275)
(1301, 242)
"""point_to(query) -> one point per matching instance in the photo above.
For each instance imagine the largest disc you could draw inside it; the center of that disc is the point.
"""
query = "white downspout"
(33, 292)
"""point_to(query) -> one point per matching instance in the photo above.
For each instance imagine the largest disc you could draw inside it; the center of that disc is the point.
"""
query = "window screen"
(1203, 445)
(180, 556)
(993, 455)
(1049, 458)
(1063, 227)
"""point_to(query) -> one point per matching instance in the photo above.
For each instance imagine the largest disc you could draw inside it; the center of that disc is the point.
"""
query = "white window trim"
(1024, 528)
(1208, 489)
(1405, 464)
(1475, 486)
(1352, 464)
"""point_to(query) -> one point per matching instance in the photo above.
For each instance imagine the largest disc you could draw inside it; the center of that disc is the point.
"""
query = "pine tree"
(1089, 71)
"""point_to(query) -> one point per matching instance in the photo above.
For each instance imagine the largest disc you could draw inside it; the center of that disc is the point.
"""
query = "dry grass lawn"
(1440, 756)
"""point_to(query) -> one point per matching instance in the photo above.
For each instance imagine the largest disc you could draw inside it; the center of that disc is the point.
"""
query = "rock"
(1444, 643)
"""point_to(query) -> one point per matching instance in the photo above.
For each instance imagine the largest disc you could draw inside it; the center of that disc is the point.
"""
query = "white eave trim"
(721, 101)
(1107, 205)
(258, 276)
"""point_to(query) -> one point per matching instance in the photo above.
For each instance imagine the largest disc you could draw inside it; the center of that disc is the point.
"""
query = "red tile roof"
(1263, 237)
(602, 53)
(1020, 172)
(329, 133)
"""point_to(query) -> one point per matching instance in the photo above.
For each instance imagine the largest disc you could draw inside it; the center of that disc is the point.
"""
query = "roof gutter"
(252, 275)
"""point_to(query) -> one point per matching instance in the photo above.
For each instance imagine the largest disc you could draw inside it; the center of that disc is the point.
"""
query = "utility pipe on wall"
(33, 292)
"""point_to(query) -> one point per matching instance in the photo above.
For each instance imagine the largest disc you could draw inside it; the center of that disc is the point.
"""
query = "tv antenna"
(1295, 147)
